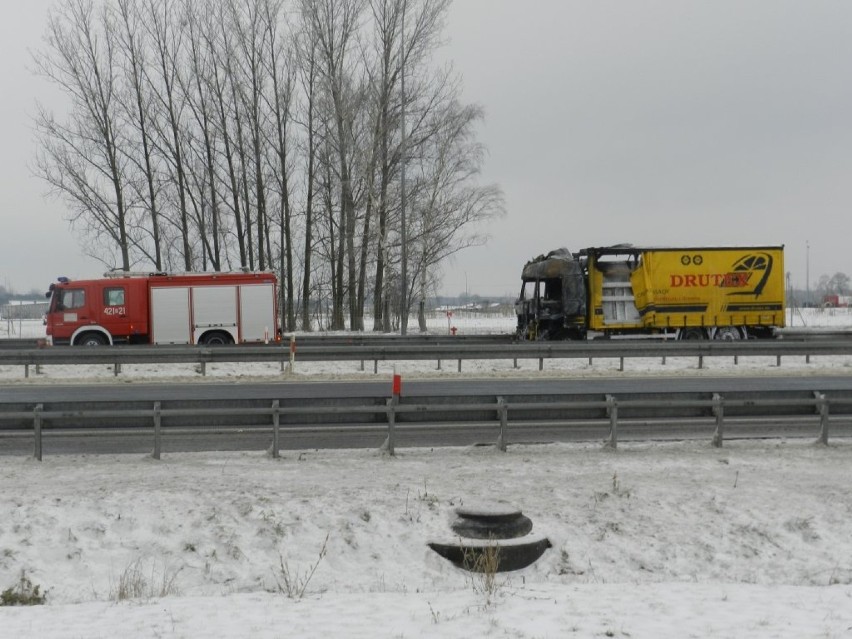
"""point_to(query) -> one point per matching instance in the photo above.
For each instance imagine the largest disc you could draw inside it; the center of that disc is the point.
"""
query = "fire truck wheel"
(91, 339)
(217, 338)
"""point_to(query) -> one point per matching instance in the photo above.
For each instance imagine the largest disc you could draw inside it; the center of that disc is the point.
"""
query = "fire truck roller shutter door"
(257, 311)
(170, 323)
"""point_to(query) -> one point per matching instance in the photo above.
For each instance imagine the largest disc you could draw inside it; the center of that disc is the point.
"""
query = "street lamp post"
(807, 273)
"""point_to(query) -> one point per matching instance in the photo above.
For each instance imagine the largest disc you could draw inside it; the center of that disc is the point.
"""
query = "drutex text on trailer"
(162, 308)
(722, 293)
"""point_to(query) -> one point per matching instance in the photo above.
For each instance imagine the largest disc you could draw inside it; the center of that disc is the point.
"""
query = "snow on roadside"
(655, 540)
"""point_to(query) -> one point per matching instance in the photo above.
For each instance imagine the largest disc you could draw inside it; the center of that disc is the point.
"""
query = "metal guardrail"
(813, 333)
(391, 339)
(18, 343)
(336, 339)
(288, 355)
(505, 417)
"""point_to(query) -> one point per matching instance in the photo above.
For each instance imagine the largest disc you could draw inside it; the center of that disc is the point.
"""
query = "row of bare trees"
(266, 134)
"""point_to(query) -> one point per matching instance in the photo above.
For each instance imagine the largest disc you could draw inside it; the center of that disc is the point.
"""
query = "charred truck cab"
(552, 303)
(684, 293)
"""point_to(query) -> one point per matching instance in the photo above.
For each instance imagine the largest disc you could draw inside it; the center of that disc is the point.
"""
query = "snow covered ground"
(652, 540)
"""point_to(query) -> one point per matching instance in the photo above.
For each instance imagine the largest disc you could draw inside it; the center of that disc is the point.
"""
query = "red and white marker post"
(292, 353)
(393, 402)
(397, 385)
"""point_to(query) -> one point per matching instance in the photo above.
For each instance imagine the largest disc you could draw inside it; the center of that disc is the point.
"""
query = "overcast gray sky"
(676, 122)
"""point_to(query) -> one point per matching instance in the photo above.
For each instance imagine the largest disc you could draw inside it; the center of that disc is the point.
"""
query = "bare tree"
(307, 70)
(333, 26)
(837, 284)
(387, 17)
(137, 109)
(247, 19)
(405, 34)
(82, 159)
(218, 48)
(167, 40)
(233, 79)
(280, 66)
(197, 96)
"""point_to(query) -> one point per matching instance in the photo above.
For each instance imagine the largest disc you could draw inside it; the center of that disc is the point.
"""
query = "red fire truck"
(162, 308)
(837, 301)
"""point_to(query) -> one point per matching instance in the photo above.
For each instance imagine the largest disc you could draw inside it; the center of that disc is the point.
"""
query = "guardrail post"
(37, 431)
(203, 368)
(503, 411)
(701, 361)
(612, 413)
(439, 363)
(778, 361)
(822, 409)
(621, 364)
(292, 364)
(158, 423)
(541, 363)
(719, 412)
(38, 369)
(396, 391)
(116, 369)
(460, 365)
(515, 363)
(276, 428)
(388, 446)
(26, 371)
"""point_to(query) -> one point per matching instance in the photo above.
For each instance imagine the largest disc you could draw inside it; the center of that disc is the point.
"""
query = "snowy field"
(653, 540)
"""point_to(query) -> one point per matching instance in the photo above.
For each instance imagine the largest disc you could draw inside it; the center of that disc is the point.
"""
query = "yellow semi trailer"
(685, 293)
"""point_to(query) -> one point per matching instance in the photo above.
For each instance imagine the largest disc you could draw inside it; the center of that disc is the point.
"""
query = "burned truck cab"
(552, 302)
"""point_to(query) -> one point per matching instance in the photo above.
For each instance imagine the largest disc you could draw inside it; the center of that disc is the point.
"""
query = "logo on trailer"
(750, 272)
(756, 265)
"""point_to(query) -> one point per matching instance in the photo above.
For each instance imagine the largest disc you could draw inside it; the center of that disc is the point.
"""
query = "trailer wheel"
(693, 333)
(216, 338)
(728, 333)
(91, 339)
